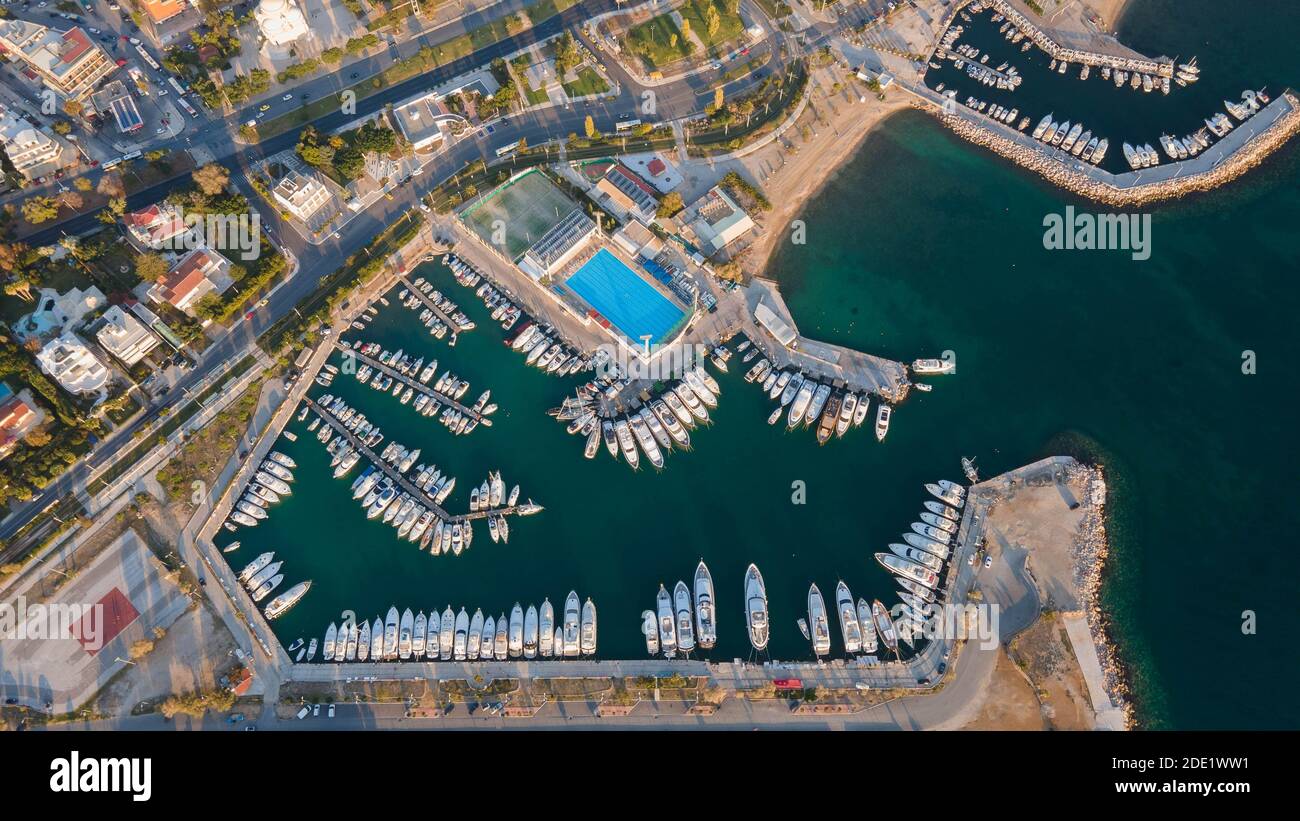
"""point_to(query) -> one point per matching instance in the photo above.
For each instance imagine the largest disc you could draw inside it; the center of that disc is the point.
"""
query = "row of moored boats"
(268, 483)
(262, 576)
(459, 636)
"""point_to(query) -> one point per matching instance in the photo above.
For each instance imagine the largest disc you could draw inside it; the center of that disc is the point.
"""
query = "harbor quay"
(834, 364)
(1243, 148)
(1084, 48)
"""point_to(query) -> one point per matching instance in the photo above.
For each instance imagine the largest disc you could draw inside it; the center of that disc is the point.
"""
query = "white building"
(280, 21)
(301, 194)
(125, 337)
(27, 147)
(68, 361)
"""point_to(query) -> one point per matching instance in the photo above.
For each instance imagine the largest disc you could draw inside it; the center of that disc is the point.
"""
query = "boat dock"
(429, 303)
(402, 481)
(387, 469)
(406, 380)
(1084, 48)
(779, 340)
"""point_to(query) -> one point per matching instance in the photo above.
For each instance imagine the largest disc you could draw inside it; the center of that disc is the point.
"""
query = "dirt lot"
(1010, 703)
(1043, 652)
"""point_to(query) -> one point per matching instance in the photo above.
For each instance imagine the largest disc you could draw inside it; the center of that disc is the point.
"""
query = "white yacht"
(530, 633)
(849, 627)
(516, 634)
(705, 617)
(685, 622)
(572, 624)
(546, 636)
(819, 625)
(756, 616)
(589, 628)
(460, 636)
(667, 623)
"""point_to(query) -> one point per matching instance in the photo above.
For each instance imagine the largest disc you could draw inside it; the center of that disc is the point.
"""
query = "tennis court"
(518, 213)
(619, 294)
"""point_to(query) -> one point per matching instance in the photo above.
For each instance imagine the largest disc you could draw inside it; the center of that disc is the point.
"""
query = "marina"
(1199, 131)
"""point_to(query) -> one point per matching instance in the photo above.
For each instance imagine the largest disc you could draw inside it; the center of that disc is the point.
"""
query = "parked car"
(988, 561)
(287, 97)
(303, 712)
(315, 710)
(235, 718)
(331, 710)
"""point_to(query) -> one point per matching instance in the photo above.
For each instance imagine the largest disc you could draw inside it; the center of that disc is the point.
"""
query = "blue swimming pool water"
(624, 298)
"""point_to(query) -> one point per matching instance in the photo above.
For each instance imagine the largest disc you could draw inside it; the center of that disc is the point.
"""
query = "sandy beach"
(794, 167)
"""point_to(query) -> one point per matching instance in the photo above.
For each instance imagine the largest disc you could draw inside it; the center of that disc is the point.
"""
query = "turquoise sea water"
(927, 244)
(922, 244)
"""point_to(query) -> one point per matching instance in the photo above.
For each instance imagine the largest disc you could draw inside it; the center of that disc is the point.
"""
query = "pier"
(429, 303)
(387, 469)
(413, 383)
(1086, 51)
(402, 481)
(829, 363)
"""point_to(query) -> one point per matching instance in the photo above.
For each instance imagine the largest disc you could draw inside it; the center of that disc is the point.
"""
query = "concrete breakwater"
(1126, 190)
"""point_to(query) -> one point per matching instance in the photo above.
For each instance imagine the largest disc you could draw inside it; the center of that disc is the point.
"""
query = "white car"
(287, 97)
(988, 562)
(331, 711)
(315, 710)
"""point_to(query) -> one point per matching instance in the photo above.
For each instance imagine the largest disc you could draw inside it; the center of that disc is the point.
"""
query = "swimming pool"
(620, 295)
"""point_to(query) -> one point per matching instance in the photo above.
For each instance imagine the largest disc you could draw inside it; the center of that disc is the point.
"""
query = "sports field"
(518, 213)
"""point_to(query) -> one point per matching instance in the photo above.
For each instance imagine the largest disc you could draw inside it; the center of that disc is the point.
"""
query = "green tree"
(150, 267)
(670, 204)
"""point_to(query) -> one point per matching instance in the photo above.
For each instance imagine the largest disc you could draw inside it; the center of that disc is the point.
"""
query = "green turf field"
(518, 213)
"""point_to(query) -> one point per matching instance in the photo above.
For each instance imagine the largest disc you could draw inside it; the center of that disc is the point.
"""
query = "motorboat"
(572, 624)
(650, 630)
(516, 634)
(868, 629)
(908, 569)
(667, 623)
(447, 634)
(883, 413)
(756, 615)
(460, 638)
(850, 630)
(546, 627)
(531, 639)
(705, 616)
(501, 641)
(685, 621)
(884, 626)
(588, 628)
(474, 645)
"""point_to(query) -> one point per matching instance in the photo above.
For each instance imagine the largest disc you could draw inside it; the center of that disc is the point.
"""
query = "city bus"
(506, 151)
(626, 125)
(148, 58)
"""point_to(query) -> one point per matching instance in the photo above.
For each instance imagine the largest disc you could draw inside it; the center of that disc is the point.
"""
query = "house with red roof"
(155, 227)
(201, 272)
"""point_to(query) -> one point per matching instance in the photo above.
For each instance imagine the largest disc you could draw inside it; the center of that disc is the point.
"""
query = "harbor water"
(1135, 363)
(1138, 363)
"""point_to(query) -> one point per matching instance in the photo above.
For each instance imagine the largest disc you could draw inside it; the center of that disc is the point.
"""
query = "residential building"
(164, 21)
(155, 227)
(718, 221)
(114, 102)
(56, 312)
(123, 336)
(68, 361)
(18, 416)
(66, 61)
(202, 272)
(301, 193)
(32, 152)
(424, 121)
